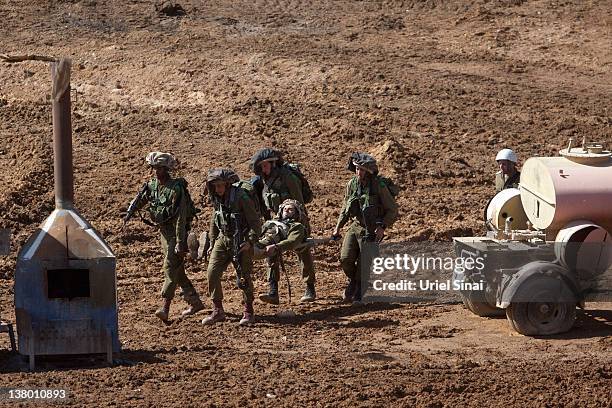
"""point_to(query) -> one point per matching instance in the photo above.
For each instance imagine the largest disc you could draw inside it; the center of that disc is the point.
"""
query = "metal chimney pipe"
(62, 134)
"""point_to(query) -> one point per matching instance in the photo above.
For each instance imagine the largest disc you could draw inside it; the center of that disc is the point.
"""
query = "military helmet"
(266, 154)
(159, 159)
(363, 160)
(506, 154)
(227, 175)
(299, 208)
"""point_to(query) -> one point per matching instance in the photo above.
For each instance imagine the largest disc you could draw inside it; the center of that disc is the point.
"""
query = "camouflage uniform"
(359, 245)
(280, 185)
(167, 207)
(236, 201)
(293, 236)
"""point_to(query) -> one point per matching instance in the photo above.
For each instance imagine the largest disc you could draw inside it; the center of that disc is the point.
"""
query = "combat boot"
(349, 291)
(272, 296)
(194, 307)
(248, 316)
(309, 294)
(193, 300)
(217, 315)
(163, 312)
(357, 299)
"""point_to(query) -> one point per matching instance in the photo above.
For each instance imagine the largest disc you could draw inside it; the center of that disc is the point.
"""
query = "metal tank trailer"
(548, 247)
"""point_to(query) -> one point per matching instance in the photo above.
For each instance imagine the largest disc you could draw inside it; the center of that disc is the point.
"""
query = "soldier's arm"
(141, 200)
(213, 231)
(344, 213)
(295, 237)
(389, 206)
(181, 219)
(294, 185)
(247, 208)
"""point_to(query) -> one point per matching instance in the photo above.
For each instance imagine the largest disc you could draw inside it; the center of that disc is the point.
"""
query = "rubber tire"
(476, 304)
(522, 316)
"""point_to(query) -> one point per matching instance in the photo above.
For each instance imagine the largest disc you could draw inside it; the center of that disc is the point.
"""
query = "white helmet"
(506, 154)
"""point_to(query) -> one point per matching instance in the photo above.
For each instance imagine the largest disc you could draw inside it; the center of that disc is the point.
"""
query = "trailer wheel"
(476, 303)
(537, 313)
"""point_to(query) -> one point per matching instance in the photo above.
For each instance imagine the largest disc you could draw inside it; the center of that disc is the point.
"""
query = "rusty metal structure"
(65, 280)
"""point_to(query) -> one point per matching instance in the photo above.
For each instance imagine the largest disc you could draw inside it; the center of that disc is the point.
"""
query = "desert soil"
(432, 88)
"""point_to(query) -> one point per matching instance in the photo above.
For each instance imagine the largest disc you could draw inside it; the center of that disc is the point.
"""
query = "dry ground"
(433, 88)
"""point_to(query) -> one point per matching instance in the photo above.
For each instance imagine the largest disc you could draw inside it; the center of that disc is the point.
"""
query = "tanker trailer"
(548, 246)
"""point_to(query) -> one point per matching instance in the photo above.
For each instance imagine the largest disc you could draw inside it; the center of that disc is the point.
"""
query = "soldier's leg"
(349, 254)
(168, 288)
(273, 276)
(307, 266)
(188, 292)
(349, 258)
(220, 257)
(174, 267)
(246, 262)
(368, 250)
(170, 264)
(308, 274)
(176, 275)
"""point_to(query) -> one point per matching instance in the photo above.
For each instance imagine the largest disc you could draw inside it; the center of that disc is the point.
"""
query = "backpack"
(306, 190)
(250, 187)
(390, 184)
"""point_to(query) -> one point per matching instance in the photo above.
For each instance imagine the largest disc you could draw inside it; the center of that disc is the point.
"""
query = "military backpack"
(251, 189)
(390, 184)
(306, 190)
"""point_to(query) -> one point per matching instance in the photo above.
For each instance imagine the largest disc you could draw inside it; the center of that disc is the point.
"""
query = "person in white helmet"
(508, 175)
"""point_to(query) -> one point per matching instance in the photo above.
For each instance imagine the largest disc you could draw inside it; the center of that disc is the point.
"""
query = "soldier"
(369, 202)
(286, 232)
(171, 210)
(234, 228)
(279, 184)
(508, 176)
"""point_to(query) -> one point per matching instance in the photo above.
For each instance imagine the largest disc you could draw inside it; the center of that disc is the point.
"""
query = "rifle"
(237, 241)
(369, 216)
(258, 185)
(134, 206)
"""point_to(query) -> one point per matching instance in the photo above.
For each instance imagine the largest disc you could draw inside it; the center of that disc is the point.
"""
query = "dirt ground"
(433, 88)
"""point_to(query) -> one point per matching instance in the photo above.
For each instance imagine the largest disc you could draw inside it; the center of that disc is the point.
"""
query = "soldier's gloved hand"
(380, 233)
(245, 247)
(270, 250)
